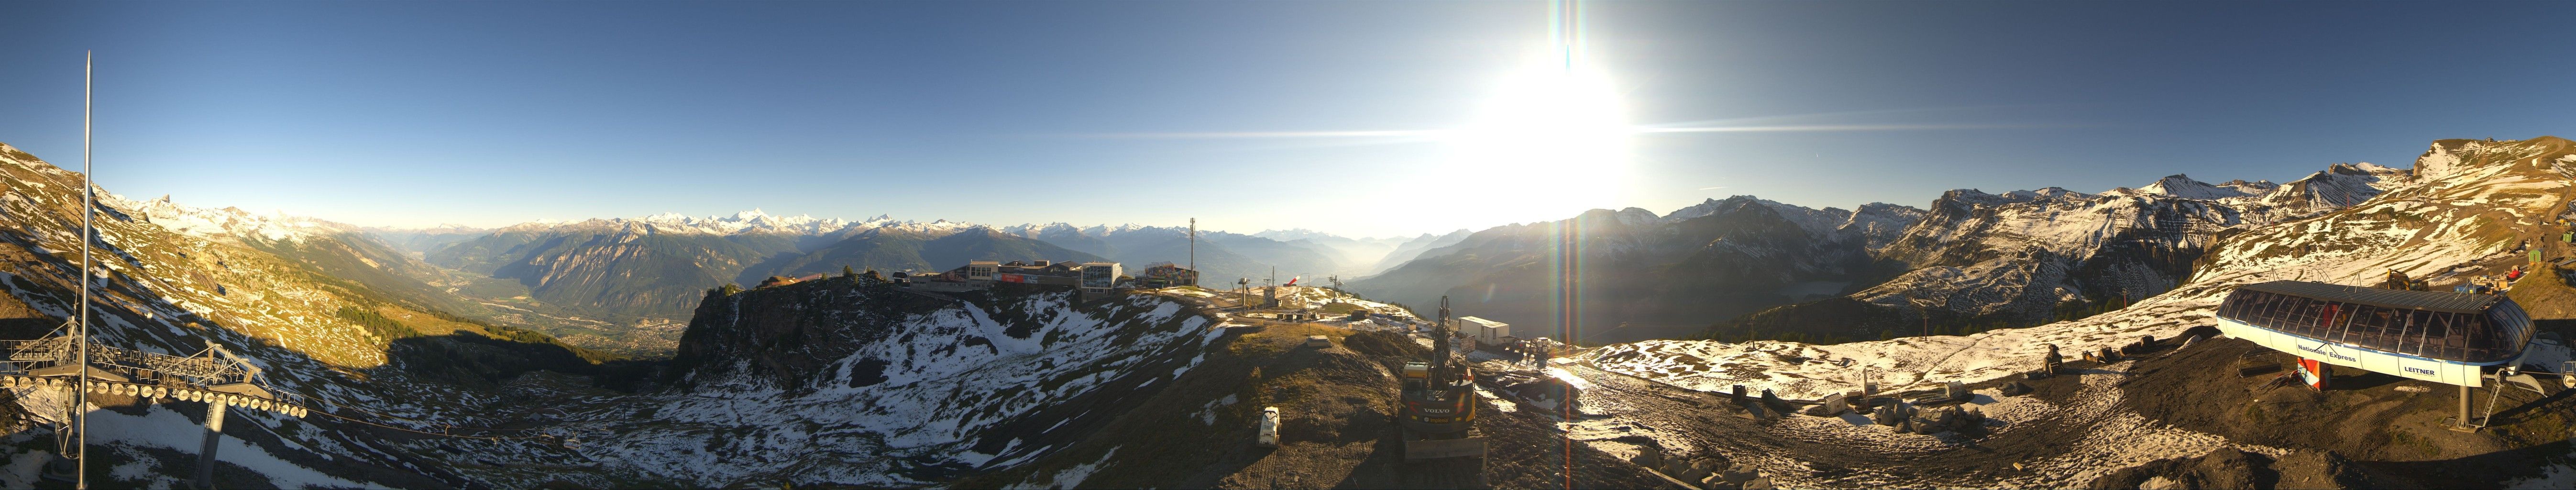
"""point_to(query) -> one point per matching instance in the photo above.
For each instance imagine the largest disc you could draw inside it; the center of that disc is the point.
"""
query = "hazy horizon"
(1357, 119)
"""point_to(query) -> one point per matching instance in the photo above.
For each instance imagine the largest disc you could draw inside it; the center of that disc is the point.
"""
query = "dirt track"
(2158, 415)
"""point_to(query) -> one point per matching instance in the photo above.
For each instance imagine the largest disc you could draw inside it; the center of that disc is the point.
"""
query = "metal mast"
(80, 335)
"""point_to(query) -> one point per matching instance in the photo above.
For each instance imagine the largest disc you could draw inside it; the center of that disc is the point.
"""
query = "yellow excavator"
(1439, 402)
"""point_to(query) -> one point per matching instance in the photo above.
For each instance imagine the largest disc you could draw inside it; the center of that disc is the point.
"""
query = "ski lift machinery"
(2456, 338)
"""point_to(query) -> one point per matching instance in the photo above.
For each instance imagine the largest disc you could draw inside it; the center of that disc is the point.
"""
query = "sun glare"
(1556, 138)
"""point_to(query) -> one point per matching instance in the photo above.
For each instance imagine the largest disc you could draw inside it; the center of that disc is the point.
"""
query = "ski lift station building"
(2443, 337)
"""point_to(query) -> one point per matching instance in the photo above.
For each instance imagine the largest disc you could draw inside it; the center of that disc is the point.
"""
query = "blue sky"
(489, 113)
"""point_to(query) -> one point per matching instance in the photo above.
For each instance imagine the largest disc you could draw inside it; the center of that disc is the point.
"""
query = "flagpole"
(80, 400)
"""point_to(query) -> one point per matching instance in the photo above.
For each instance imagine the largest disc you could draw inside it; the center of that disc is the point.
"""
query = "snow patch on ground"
(162, 428)
(1072, 477)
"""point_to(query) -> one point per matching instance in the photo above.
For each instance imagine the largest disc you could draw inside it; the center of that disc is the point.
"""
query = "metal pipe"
(2464, 406)
(206, 453)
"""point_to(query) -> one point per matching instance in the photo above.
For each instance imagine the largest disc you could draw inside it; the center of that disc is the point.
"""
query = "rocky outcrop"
(790, 332)
(1979, 260)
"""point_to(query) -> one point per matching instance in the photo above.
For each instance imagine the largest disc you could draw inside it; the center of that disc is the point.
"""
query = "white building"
(1485, 331)
(1099, 277)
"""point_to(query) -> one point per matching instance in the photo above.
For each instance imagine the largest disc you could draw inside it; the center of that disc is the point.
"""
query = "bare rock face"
(789, 333)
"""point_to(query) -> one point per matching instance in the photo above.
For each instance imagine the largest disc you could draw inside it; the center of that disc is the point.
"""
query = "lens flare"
(1555, 140)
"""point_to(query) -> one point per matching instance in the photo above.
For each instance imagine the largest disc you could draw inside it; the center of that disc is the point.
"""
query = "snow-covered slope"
(850, 382)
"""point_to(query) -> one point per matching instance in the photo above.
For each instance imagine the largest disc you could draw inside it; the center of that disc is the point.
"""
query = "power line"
(416, 431)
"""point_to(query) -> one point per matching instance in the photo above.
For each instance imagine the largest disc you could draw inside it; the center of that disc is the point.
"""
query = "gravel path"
(2072, 430)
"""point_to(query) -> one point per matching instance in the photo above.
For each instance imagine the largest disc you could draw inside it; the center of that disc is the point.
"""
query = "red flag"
(1292, 281)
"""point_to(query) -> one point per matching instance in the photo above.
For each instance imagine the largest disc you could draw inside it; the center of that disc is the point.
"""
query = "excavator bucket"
(1444, 448)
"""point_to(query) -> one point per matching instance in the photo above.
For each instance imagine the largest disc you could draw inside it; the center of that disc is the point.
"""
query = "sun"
(1557, 136)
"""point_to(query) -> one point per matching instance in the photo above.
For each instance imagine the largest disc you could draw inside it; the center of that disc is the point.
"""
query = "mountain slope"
(1413, 248)
(2021, 258)
(2489, 196)
(832, 382)
(895, 249)
(2469, 204)
(1655, 273)
(614, 265)
(173, 279)
(1353, 255)
(422, 240)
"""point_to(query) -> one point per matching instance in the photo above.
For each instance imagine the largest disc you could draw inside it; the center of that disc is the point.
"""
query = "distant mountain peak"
(274, 226)
(1294, 234)
(2182, 186)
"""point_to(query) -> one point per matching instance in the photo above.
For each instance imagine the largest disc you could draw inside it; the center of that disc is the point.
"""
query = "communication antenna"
(80, 335)
(1194, 251)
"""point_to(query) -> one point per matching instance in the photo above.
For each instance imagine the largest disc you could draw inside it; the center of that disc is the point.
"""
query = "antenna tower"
(80, 334)
(1194, 251)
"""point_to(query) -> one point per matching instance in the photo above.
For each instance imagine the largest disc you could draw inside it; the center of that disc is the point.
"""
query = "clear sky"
(1348, 117)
